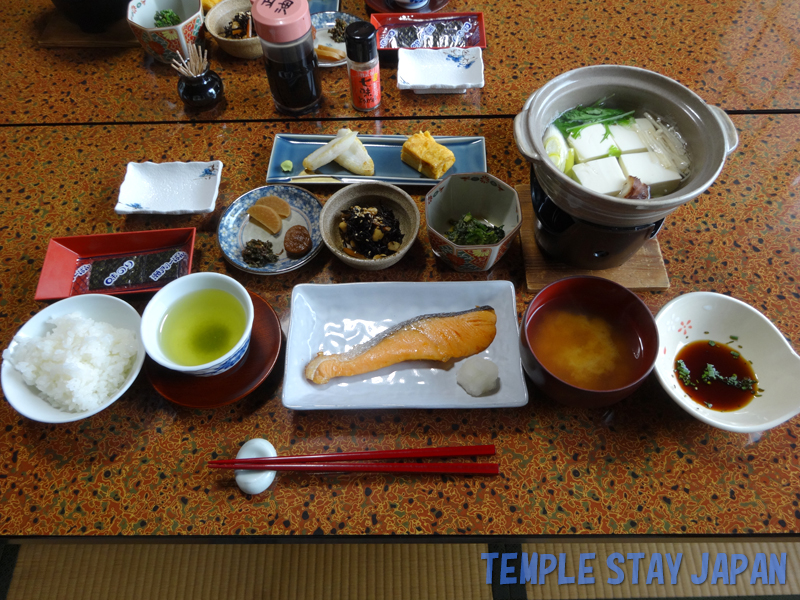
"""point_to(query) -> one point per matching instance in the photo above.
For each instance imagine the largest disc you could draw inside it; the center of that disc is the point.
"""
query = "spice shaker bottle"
(363, 69)
(284, 27)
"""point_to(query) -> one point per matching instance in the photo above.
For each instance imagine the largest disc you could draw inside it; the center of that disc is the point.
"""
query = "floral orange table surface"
(139, 467)
(738, 55)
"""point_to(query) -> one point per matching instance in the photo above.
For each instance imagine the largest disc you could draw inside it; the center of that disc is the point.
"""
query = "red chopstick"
(443, 468)
(444, 452)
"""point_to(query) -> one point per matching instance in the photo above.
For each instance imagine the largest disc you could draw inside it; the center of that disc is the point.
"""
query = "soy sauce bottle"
(284, 27)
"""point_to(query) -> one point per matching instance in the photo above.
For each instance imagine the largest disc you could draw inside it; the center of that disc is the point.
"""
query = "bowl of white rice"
(73, 359)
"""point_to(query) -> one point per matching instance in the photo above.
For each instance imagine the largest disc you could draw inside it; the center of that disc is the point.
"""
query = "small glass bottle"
(289, 57)
(363, 69)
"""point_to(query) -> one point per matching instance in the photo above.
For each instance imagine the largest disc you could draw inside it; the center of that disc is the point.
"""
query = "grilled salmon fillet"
(439, 337)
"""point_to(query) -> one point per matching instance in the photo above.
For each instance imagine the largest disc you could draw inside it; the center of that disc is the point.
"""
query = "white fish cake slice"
(328, 153)
(356, 159)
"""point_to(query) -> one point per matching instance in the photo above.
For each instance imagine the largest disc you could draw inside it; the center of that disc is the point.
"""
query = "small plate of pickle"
(270, 230)
(329, 40)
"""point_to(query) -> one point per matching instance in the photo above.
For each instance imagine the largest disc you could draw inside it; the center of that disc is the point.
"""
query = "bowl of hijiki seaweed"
(621, 146)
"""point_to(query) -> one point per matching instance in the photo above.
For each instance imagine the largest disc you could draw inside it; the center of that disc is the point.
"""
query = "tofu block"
(590, 145)
(426, 155)
(646, 167)
(603, 176)
(626, 138)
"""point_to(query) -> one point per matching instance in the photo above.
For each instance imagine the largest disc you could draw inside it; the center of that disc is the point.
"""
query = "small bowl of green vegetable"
(166, 28)
(472, 219)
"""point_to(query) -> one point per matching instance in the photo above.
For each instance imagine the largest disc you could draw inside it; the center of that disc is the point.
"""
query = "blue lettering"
(489, 557)
(527, 571)
(611, 564)
(584, 571)
(720, 569)
(738, 565)
(759, 569)
(635, 557)
(656, 569)
(506, 570)
(562, 578)
(698, 579)
(779, 570)
(545, 569)
(674, 568)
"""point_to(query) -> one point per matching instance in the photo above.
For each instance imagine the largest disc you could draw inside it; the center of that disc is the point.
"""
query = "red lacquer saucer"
(234, 384)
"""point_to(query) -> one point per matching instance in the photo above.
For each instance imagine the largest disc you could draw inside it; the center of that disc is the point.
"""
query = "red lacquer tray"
(65, 254)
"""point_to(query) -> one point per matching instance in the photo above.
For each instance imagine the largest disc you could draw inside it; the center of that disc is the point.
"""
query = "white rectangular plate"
(174, 188)
(439, 71)
(333, 318)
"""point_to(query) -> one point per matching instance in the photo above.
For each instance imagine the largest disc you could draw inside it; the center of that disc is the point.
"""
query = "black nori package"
(116, 272)
(165, 266)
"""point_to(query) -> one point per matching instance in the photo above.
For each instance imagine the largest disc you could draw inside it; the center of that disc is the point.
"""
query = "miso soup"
(201, 327)
(586, 349)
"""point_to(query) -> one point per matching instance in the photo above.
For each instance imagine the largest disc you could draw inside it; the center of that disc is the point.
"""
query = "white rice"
(78, 365)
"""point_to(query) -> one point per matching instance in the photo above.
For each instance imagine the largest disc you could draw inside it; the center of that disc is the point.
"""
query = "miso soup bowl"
(158, 306)
(600, 297)
(708, 132)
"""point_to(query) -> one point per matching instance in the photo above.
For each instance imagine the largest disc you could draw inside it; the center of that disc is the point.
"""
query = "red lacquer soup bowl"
(588, 342)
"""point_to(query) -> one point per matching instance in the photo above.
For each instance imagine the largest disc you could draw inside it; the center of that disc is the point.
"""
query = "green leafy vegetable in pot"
(166, 18)
(469, 231)
(580, 117)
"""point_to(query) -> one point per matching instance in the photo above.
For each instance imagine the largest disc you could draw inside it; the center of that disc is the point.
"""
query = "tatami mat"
(385, 571)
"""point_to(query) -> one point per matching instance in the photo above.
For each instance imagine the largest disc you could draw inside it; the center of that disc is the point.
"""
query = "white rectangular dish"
(173, 188)
(439, 71)
(335, 317)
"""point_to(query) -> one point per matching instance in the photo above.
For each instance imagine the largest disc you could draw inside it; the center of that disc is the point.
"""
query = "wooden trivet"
(62, 33)
(645, 270)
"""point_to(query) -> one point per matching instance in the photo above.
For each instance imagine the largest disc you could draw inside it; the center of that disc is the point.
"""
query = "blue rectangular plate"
(385, 150)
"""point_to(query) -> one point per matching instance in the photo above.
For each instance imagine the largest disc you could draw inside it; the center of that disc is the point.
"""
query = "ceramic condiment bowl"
(219, 17)
(593, 296)
(166, 44)
(107, 309)
(369, 194)
(486, 198)
(163, 300)
(711, 316)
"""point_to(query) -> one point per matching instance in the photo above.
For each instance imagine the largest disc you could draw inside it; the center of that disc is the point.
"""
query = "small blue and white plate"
(324, 21)
(236, 229)
(439, 71)
(173, 188)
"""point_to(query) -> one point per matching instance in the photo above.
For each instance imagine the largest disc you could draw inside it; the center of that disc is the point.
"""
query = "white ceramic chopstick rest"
(255, 482)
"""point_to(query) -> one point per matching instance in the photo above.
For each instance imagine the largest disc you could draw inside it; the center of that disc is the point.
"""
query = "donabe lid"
(361, 41)
(281, 21)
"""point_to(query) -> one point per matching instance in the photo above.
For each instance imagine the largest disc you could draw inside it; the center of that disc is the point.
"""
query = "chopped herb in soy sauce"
(726, 380)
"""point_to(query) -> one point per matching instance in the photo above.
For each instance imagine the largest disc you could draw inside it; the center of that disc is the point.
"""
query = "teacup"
(166, 300)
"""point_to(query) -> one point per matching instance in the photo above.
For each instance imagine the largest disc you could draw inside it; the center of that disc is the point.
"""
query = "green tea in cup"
(201, 327)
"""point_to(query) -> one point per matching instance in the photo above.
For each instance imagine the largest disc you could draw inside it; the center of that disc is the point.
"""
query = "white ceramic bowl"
(487, 198)
(711, 316)
(107, 309)
(166, 44)
(156, 309)
(369, 194)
